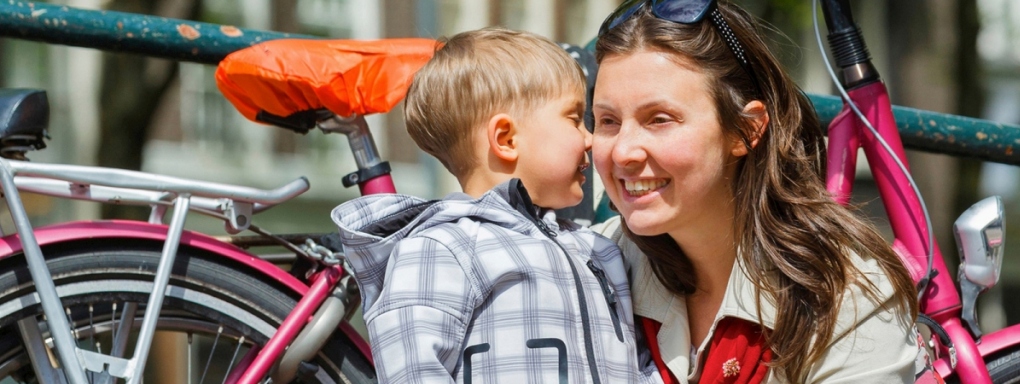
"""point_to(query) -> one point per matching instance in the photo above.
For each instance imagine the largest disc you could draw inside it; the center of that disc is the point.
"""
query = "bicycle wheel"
(1003, 367)
(219, 310)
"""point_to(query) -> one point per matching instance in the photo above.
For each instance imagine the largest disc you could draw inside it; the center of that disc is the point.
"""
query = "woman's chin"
(641, 232)
(641, 227)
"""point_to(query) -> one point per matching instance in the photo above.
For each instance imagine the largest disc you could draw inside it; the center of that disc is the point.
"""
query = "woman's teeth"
(643, 187)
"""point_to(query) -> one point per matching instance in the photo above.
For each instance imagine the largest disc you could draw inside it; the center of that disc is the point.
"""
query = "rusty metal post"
(155, 36)
(208, 43)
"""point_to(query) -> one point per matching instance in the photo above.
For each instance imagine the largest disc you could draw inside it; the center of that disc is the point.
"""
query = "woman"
(713, 157)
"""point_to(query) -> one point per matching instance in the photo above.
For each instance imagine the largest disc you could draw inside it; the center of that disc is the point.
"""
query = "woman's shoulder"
(613, 229)
(870, 296)
(874, 336)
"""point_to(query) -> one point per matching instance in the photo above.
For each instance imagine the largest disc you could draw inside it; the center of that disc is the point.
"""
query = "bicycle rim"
(212, 311)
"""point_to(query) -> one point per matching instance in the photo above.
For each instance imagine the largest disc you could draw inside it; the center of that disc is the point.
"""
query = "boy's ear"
(501, 133)
(759, 120)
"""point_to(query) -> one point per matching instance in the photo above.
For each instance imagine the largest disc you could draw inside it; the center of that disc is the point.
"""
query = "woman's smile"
(638, 188)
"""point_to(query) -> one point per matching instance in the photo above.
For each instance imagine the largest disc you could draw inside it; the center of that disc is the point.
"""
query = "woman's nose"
(628, 148)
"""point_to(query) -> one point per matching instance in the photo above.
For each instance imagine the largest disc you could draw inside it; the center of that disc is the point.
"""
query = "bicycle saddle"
(291, 81)
(24, 116)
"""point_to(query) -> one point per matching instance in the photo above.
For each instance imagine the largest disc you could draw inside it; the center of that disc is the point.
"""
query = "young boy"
(486, 285)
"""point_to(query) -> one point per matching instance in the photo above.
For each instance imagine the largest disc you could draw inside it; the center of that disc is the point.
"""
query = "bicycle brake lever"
(979, 237)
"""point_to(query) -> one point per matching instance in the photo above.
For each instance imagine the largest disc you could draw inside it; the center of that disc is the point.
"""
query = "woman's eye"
(604, 122)
(661, 120)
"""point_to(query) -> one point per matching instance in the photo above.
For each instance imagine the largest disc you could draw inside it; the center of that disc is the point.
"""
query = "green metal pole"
(208, 43)
(163, 37)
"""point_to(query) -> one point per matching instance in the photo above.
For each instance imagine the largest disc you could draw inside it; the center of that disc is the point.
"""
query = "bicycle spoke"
(92, 329)
(113, 318)
(219, 331)
(226, 375)
(120, 332)
(70, 321)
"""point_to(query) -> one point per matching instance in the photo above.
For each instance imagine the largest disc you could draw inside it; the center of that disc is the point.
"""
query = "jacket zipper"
(585, 320)
(610, 295)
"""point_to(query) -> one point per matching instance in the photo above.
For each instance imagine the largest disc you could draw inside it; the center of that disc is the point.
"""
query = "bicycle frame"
(366, 156)
(940, 300)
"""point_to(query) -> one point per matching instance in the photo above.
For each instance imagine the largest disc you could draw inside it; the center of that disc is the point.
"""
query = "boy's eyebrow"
(578, 106)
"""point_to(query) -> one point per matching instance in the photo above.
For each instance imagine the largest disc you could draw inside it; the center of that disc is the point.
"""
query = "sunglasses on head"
(684, 12)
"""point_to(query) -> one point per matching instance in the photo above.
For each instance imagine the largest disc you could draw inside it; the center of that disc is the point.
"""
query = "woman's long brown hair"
(794, 241)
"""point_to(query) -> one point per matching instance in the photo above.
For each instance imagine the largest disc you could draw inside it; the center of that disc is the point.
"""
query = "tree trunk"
(922, 40)
(970, 96)
(284, 19)
(3, 53)
(132, 88)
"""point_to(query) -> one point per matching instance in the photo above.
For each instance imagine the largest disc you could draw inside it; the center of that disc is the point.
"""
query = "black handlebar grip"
(838, 16)
(845, 38)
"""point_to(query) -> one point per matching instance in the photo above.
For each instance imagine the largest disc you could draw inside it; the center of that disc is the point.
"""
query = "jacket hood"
(371, 226)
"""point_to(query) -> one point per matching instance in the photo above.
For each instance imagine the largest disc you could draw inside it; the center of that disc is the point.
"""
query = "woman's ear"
(501, 133)
(759, 119)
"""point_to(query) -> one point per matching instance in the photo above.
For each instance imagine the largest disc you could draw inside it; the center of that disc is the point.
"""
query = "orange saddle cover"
(286, 76)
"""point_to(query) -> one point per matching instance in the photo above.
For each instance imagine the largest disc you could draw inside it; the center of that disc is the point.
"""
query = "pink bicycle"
(866, 121)
(81, 302)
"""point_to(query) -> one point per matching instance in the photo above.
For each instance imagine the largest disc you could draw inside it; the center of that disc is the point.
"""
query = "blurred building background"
(125, 111)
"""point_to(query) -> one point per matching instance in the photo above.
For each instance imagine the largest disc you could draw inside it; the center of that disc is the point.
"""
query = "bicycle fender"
(112, 229)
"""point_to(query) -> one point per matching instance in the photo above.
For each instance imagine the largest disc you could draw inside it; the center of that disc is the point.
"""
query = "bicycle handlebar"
(838, 16)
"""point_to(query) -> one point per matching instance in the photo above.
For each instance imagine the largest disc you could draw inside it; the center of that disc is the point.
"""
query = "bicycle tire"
(1003, 367)
(205, 292)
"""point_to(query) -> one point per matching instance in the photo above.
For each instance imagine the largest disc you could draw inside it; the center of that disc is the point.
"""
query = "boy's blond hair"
(474, 76)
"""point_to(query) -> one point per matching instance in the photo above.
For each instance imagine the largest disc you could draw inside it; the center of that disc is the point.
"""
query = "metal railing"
(207, 43)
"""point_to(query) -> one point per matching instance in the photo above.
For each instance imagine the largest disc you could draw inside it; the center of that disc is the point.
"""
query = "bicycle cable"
(930, 273)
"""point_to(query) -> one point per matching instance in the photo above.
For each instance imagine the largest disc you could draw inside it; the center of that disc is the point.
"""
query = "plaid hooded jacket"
(488, 290)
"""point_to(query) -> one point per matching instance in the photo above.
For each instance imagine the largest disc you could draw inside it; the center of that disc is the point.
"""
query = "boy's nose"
(587, 139)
